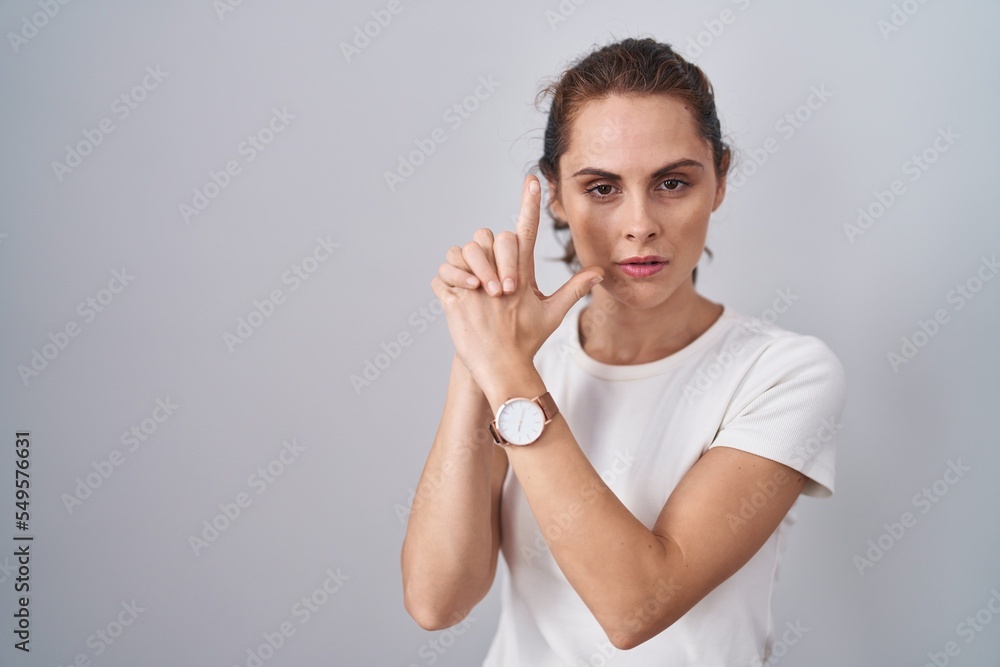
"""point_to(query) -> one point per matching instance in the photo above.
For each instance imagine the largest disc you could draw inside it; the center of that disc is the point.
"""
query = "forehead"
(643, 131)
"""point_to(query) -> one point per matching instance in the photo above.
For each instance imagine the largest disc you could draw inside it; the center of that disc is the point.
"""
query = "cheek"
(584, 243)
(694, 227)
(690, 218)
(592, 239)
(689, 239)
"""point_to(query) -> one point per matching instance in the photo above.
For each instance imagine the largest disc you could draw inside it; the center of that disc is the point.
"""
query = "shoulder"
(788, 396)
(774, 354)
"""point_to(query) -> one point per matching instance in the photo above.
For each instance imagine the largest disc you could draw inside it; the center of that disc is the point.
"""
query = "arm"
(637, 581)
(450, 550)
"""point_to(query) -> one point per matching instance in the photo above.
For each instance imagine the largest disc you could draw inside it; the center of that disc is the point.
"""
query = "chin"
(640, 297)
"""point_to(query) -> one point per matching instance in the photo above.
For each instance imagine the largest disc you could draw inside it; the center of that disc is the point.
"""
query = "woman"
(650, 443)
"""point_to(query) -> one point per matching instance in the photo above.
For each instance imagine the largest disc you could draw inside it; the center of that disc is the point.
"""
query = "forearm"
(609, 557)
(447, 556)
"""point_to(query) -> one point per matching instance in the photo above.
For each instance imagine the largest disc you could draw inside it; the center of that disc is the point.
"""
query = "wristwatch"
(520, 421)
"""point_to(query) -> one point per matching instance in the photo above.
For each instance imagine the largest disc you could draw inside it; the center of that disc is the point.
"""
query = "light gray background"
(339, 504)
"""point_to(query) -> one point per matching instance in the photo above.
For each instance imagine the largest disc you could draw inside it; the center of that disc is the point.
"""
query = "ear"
(555, 205)
(720, 193)
(720, 187)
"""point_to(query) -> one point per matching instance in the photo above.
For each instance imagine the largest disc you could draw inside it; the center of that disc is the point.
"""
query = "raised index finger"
(527, 228)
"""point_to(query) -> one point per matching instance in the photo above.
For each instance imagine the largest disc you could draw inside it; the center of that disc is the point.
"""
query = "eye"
(600, 191)
(675, 185)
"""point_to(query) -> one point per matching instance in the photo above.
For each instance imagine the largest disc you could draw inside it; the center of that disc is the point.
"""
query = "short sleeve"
(788, 408)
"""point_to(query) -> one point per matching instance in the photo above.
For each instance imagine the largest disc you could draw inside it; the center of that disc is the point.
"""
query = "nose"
(639, 225)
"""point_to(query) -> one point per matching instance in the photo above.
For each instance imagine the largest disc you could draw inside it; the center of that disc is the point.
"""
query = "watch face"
(520, 421)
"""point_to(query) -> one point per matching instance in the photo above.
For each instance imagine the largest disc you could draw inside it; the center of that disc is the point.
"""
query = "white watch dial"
(520, 421)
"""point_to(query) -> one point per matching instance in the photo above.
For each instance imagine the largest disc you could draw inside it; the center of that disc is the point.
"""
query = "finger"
(441, 290)
(455, 258)
(527, 228)
(505, 252)
(484, 237)
(575, 289)
(456, 277)
(481, 267)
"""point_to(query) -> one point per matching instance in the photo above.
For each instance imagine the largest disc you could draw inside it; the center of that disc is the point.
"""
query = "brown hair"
(630, 66)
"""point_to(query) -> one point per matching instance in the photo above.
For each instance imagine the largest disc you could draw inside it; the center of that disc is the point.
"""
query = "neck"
(616, 333)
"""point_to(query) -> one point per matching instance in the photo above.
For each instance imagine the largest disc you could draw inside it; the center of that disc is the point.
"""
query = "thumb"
(574, 289)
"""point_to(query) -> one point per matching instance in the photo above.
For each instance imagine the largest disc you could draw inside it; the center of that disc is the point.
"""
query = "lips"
(645, 259)
(642, 266)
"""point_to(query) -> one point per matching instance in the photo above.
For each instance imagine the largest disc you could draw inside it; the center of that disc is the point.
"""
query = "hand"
(490, 333)
(487, 262)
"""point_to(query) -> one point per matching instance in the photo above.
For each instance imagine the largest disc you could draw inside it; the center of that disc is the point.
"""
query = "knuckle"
(456, 258)
(507, 236)
(441, 290)
(484, 232)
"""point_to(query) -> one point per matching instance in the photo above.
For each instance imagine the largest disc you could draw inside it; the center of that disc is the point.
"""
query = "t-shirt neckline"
(634, 371)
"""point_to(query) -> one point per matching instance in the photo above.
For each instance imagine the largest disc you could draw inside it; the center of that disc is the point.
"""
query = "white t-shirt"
(743, 383)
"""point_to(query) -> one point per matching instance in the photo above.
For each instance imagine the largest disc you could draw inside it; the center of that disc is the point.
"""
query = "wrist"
(511, 380)
(464, 384)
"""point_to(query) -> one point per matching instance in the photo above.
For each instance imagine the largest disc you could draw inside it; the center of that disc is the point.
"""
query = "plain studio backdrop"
(219, 225)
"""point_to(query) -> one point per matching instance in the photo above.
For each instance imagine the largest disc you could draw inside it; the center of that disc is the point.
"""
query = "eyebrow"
(662, 171)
